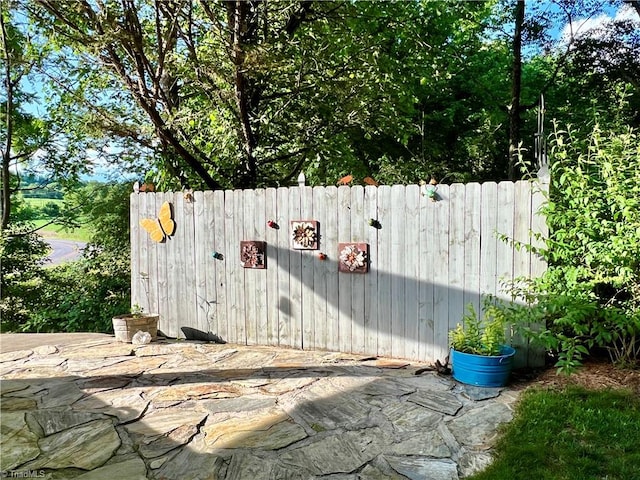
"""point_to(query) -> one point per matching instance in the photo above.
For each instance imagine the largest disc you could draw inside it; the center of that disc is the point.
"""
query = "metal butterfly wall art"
(159, 229)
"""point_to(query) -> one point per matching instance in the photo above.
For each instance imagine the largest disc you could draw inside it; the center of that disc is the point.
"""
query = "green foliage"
(51, 210)
(36, 208)
(21, 271)
(76, 296)
(569, 434)
(22, 210)
(590, 295)
(136, 310)
(105, 210)
(82, 295)
(399, 91)
(480, 337)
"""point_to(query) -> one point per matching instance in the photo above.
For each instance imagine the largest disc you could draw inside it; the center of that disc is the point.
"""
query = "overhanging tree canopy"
(243, 93)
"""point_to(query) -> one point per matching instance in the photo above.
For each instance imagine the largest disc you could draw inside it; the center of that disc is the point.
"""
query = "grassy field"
(41, 202)
(81, 234)
(571, 433)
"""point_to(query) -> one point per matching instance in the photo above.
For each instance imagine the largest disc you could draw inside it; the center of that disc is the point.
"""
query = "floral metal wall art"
(354, 257)
(304, 234)
(252, 254)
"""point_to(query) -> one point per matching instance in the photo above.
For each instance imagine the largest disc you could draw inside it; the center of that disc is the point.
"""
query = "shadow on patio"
(191, 410)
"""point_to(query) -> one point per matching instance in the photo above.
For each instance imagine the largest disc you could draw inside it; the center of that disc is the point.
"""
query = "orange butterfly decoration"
(162, 227)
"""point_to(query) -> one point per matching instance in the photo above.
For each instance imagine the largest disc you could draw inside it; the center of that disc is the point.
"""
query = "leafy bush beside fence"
(590, 295)
(77, 296)
(20, 274)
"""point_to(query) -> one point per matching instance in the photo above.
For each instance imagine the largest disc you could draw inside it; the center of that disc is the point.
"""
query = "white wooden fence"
(428, 261)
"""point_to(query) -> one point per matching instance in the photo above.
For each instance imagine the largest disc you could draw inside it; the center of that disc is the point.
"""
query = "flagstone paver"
(175, 409)
(443, 402)
(19, 443)
(416, 468)
(264, 430)
(131, 469)
(470, 428)
(86, 446)
(342, 452)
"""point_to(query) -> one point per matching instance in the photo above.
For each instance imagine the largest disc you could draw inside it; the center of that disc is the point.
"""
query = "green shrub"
(590, 294)
(82, 295)
(50, 210)
(76, 296)
(21, 270)
(85, 295)
(480, 337)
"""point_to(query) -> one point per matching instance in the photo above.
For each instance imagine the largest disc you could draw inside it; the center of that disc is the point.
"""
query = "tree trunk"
(516, 86)
(237, 13)
(6, 149)
(6, 192)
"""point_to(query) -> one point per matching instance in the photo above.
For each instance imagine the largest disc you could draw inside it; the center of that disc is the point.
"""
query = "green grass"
(572, 434)
(41, 202)
(81, 234)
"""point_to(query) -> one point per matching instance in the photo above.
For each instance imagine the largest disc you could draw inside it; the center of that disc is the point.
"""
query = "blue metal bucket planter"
(482, 370)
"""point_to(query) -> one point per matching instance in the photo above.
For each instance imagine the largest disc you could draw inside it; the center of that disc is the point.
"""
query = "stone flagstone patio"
(188, 410)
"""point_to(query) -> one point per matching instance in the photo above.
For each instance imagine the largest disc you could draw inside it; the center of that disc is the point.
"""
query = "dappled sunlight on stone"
(129, 365)
(164, 421)
(126, 405)
(17, 355)
(100, 350)
(180, 393)
(270, 430)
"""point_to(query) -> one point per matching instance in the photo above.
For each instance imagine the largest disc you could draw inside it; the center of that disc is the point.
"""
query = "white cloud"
(627, 12)
(584, 27)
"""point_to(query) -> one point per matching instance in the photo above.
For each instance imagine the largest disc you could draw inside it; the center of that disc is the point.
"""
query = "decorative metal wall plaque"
(253, 254)
(305, 234)
(353, 257)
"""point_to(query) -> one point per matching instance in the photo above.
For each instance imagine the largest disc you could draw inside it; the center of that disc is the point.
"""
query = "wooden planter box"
(126, 326)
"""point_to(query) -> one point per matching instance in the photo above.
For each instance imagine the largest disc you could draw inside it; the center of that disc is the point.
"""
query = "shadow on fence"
(423, 271)
(415, 330)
